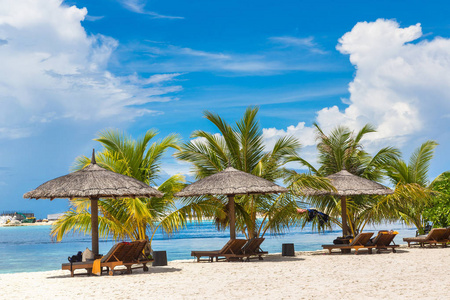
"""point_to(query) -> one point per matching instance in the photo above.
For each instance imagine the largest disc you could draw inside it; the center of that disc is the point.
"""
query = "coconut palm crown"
(242, 146)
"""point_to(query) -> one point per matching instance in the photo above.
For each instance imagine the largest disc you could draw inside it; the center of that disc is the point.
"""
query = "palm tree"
(132, 217)
(342, 149)
(242, 147)
(412, 193)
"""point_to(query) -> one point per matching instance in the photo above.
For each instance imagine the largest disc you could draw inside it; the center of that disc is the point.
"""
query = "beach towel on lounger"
(96, 269)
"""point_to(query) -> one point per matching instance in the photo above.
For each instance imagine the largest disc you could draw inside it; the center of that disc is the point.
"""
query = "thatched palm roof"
(347, 184)
(231, 182)
(93, 182)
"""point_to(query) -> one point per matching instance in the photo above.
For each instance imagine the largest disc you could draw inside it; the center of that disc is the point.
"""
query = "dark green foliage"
(439, 210)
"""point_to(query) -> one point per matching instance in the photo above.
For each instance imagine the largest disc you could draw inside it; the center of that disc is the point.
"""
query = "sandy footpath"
(409, 273)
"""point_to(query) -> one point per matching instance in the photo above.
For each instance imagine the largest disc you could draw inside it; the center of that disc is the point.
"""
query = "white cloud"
(138, 6)
(172, 58)
(93, 18)
(204, 141)
(51, 69)
(290, 41)
(401, 86)
(305, 134)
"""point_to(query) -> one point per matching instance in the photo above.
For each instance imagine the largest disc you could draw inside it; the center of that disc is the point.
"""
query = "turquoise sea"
(31, 249)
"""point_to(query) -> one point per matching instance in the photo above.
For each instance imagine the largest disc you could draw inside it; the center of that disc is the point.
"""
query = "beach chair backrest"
(447, 234)
(379, 236)
(139, 249)
(437, 234)
(112, 252)
(385, 239)
(252, 245)
(124, 253)
(226, 247)
(130, 253)
(361, 239)
(236, 246)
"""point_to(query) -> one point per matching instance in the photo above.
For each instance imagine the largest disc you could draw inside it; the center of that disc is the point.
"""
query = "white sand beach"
(409, 273)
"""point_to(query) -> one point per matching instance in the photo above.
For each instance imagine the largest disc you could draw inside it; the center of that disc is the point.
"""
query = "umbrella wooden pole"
(232, 217)
(94, 225)
(344, 216)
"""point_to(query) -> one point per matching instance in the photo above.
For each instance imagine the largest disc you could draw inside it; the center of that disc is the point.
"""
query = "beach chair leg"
(370, 250)
(144, 267)
(128, 269)
(393, 250)
(260, 257)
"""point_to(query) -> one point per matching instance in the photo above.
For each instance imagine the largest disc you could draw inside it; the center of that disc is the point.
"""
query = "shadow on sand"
(118, 272)
(361, 252)
(272, 258)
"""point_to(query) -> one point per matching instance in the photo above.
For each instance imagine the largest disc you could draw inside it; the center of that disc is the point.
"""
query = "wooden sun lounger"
(129, 255)
(434, 237)
(231, 247)
(447, 235)
(254, 248)
(121, 254)
(446, 238)
(383, 241)
(77, 266)
(359, 242)
(251, 249)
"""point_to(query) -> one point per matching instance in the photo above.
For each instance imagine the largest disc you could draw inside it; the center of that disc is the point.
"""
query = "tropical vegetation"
(412, 192)
(132, 218)
(438, 210)
(342, 149)
(241, 145)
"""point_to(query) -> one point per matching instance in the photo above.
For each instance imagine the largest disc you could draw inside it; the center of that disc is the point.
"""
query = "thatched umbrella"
(93, 182)
(231, 182)
(347, 184)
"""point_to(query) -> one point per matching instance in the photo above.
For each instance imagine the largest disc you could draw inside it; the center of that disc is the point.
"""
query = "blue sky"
(73, 68)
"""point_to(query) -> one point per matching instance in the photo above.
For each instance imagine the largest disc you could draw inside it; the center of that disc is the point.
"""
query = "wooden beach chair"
(359, 242)
(447, 236)
(383, 241)
(251, 249)
(231, 247)
(77, 266)
(121, 254)
(434, 237)
(129, 255)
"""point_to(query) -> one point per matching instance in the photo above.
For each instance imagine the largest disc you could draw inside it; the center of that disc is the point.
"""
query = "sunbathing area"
(409, 273)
